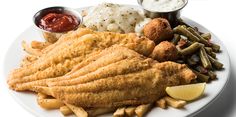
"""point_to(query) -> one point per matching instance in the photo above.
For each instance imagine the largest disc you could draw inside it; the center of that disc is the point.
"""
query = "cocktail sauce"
(58, 22)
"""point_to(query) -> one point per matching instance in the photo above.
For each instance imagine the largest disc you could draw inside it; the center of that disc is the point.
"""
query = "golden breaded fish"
(131, 79)
(59, 58)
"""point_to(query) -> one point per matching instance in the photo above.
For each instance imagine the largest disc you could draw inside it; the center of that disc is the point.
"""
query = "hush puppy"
(158, 30)
(165, 51)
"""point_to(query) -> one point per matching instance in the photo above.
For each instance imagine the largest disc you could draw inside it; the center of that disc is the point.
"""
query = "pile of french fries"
(34, 50)
(49, 103)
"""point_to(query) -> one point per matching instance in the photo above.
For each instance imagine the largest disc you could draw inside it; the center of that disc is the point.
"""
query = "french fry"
(50, 103)
(120, 112)
(79, 111)
(141, 110)
(99, 111)
(46, 103)
(31, 58)
(42, 89)
(175, 103)
(129, 111)
(161, 103)
(30, 50)
(66, 110)
(39, 45)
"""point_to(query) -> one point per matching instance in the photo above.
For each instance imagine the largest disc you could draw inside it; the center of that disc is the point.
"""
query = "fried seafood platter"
(115, 59)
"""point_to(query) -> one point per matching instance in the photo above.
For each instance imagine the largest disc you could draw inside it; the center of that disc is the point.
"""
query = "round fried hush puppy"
(165, 51)
(158, 30)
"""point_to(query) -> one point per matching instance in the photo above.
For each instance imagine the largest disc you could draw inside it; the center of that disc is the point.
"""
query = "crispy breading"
(165, 51)
(133, 80)
(59, 58)
(158, 30)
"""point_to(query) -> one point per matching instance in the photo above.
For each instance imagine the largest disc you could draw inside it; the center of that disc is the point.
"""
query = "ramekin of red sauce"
(57, 19)
(53, 22)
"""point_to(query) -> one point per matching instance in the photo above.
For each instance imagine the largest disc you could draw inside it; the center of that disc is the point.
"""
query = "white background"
(219, 16)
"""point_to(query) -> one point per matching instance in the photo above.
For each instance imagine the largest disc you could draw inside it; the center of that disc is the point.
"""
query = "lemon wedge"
(186, 92)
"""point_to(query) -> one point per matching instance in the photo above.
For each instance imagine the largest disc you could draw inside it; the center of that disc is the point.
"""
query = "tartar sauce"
(162, 5)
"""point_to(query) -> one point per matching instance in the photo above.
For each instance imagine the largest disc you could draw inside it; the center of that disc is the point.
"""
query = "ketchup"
(58, 22)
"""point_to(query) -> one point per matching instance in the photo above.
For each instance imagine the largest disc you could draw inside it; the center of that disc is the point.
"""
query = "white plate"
(28, 100)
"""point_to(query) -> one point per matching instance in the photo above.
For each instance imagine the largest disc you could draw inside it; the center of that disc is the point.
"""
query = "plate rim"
(191, 114)
(228, 75)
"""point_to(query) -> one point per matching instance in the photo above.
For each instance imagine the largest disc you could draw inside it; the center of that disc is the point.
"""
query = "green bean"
(184, 26)
(204, 59)
(215, 47)
(191, 49)
(181, 22)
(175, 39)
(196, 28)
(212, 75)
(201, 77)
(183, 31)
(215, 63)
(206, 36)
(210, 52)
(208, 49)
(201, 39)
(213, 55)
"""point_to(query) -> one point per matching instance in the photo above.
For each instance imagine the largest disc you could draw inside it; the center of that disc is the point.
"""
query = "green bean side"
(198, 43)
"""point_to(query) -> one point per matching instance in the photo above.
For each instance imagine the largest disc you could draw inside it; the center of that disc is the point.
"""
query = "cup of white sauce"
(169, 9)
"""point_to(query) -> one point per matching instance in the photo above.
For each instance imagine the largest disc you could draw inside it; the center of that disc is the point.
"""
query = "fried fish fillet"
(131, 79)
(59, 58)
